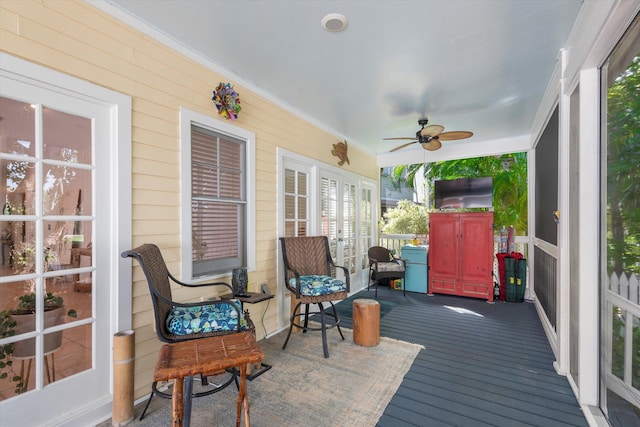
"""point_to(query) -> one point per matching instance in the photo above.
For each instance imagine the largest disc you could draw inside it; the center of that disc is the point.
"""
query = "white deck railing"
(621, 327)
(628, 287)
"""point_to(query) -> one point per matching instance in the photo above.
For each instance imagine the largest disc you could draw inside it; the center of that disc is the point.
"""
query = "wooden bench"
(181, 361)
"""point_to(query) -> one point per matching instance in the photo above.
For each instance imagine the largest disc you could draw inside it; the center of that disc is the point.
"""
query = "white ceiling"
(477, 65)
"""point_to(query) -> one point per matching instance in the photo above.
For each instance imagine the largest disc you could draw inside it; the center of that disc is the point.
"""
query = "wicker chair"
(159, 280)
(308, 275)
(383, 265)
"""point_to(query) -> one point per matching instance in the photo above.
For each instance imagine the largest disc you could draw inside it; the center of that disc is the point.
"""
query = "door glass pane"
(17, 127)
(329, 212)
(349, 229)
(56, 127)
(19, 192)
(289, 181)
(295, 203)
(302, 184)
(65, 190)
(289, 207)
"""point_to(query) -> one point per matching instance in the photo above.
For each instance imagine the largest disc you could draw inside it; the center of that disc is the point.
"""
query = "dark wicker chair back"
(150, 259)
(307, 256)
(159, 280)
(383, 265)
(379, 254)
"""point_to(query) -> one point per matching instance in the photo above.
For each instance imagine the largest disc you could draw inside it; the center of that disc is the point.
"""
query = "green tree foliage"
(406, 218)
(623, 172)
(509, 173)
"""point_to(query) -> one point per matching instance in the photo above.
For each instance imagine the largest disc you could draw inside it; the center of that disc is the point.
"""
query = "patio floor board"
(483, 365)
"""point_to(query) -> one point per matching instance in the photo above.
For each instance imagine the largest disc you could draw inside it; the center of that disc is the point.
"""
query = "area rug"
(350, 388)
(345, 307)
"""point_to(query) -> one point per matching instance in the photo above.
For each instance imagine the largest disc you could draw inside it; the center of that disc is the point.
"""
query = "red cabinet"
(461, 254)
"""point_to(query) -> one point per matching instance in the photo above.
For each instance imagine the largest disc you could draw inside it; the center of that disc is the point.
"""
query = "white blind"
(218, 201)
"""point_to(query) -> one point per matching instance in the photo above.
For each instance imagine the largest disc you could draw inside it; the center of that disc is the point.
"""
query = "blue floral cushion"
(314, 285)
(205, 318)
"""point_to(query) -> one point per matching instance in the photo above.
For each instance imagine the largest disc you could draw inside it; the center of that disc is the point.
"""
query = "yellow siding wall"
(77, 39)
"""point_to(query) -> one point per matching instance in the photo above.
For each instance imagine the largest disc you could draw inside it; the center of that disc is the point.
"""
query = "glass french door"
(54, 318)
(338, 218)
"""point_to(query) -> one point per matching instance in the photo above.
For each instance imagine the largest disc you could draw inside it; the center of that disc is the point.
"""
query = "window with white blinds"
(218, 202)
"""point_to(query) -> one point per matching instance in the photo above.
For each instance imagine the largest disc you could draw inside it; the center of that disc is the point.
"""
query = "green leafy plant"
(27, 304)
(8, 323)
(7, 329)
(406, 218)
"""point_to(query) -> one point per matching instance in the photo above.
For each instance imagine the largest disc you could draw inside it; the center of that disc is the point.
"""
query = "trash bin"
(501, 272)
(515, 271)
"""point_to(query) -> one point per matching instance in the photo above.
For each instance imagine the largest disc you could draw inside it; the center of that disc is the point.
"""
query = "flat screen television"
(464, 193)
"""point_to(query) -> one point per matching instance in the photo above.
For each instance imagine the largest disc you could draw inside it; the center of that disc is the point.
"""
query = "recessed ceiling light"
(334, 22)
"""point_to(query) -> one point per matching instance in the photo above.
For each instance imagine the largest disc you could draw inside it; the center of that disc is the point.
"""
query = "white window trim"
(187, 118)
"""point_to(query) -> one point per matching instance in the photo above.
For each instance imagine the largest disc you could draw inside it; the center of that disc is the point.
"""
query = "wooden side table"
(366, 322)
(254, 370)
(181, 361)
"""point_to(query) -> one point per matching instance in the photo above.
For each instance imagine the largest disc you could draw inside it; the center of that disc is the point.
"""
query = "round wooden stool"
(366, 322)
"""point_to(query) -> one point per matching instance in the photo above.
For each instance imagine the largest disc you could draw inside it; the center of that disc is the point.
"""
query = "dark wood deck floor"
(483, 365)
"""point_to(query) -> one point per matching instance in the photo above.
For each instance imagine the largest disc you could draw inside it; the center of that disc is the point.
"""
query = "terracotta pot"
(26, 323)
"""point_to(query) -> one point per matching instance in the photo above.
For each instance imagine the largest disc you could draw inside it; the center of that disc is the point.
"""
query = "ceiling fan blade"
(432, 145)
(402, 146)
(393, 139)
(453, 135)
(432, 130)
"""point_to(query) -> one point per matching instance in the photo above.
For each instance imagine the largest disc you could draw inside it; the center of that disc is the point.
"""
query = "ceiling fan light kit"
(432, 145)
(430, 136)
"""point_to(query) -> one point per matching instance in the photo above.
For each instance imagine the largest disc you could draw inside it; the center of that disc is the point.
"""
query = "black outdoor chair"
(308, 275)
(176, 321)
(383, 265)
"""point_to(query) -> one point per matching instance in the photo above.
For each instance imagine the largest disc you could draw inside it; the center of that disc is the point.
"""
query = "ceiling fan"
(430, 136)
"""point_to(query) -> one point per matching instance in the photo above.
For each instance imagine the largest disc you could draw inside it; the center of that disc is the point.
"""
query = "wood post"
(123, 364)
(366, 322)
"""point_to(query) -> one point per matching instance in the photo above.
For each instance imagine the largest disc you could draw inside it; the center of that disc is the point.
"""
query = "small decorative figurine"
(239, 282)
(340, 151)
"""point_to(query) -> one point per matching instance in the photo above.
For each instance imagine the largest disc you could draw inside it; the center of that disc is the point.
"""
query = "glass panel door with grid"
(338, 218)
(49, 146)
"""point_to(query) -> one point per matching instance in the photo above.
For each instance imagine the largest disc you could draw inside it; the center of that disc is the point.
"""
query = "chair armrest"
(197, 285)
(347, 276)
(292, 274)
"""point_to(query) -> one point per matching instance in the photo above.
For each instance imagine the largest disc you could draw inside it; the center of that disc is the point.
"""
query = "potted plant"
(7, 329)
(22, 319)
